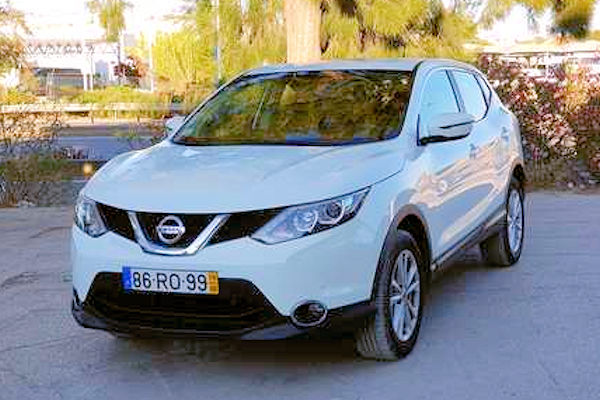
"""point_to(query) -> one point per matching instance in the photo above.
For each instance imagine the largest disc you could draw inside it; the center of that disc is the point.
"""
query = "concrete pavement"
(528, 332)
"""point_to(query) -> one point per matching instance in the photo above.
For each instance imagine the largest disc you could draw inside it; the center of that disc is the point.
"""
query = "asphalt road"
(101, 147)
(529, 332)
(100, 141)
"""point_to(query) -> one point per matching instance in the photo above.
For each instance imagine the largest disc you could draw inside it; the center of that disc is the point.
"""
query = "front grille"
(238, 306)
(237, 226)
(242, 224)
(194, 224)
(116, 220)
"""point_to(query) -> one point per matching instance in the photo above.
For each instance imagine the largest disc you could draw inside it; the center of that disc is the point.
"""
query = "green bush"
(103, 99)
(559, 120)
(12, 96)
(118, 94)
(31, 178)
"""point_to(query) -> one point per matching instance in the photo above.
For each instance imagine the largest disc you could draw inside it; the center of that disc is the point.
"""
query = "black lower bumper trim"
(343, 319)
(239, 310)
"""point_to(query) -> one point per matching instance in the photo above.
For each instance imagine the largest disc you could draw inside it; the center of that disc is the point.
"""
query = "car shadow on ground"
(448, 288)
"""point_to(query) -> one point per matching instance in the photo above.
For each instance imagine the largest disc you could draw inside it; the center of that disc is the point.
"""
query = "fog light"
(309, 313)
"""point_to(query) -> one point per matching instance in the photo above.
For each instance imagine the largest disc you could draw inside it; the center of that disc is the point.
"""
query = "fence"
(90, 108)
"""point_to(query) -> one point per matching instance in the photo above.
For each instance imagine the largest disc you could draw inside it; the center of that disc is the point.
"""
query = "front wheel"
(391, 333)
(504, 248)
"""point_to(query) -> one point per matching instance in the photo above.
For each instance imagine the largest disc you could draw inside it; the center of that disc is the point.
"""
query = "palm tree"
(303, 26)
(12, 47)
(111, 17)
(374, 28)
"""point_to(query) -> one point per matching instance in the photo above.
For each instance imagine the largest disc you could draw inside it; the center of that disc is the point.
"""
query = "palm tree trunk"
(303, 24)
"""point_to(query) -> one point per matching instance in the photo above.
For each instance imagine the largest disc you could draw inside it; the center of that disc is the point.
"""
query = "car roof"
(391, 64)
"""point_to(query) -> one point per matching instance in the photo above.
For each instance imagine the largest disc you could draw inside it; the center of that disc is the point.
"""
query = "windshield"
(311, 108)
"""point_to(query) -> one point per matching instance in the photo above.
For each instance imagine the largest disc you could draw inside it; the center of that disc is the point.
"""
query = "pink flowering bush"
(559, 117)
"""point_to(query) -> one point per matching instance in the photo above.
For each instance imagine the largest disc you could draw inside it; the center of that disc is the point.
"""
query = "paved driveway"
(530, 332)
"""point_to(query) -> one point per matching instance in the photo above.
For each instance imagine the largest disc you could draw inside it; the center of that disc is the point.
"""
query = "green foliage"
(594, 35)
(257, 36)
(12, 96)
(339, 34)
(153, 104)
(117, 94)
(247, 38)
(571, 17)
(378, 28)
(183, 61)
(11, 44)
(253, 35)
(392, 17)
(111, 16)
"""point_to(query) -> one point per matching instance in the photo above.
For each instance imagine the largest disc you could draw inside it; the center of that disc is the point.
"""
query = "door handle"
(473, 150)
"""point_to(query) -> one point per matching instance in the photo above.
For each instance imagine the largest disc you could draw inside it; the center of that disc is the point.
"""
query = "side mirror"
(449, 126)
(173, 123)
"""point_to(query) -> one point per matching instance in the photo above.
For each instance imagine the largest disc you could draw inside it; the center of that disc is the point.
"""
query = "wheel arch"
(519, 174)
(414, 224)
(410, 219)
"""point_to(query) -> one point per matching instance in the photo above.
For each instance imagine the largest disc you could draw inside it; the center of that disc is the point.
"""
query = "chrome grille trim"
(198, 243)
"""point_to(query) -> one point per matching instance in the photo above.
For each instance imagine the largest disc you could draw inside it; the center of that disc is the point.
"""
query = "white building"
(66, 44)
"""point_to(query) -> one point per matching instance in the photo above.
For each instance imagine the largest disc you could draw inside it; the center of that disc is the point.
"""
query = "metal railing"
(88, 107)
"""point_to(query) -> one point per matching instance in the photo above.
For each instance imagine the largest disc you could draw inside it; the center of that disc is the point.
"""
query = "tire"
(497, 250)
(378, 339)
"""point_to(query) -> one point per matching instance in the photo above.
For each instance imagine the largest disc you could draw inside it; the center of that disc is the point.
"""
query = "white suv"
(298, 198)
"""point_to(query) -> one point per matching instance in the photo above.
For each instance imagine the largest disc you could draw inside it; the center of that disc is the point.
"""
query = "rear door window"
(471, 94)
(487, 92)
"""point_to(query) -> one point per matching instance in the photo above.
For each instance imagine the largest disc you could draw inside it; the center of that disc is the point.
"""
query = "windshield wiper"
(259, 109)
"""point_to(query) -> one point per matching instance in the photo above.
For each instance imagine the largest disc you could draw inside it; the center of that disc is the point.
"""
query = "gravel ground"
(529, 332)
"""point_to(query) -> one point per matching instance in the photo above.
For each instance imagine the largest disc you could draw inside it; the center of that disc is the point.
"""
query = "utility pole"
(151, 67)
(92, 66)
(218, 44)
(151, 35)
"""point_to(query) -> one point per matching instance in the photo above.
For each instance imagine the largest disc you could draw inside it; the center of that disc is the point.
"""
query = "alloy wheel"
(515, 222)
(405, 295)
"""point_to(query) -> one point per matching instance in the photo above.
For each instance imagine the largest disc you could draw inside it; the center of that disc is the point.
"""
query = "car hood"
(211, 179)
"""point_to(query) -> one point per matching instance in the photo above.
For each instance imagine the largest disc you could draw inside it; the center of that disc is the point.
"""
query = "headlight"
(87, 217)
(298, 221)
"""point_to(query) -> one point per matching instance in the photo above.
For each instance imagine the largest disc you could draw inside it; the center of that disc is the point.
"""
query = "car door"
(501, 124)
(482, 147)
(444, 188)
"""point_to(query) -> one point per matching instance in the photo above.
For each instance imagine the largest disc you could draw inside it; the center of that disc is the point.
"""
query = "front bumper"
(113, 312)
(334, 267)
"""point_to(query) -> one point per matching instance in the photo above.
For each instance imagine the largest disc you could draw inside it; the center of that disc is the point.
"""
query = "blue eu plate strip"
(126, 278)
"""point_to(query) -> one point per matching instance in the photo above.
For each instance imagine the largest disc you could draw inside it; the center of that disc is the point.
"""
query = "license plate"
(170, 281)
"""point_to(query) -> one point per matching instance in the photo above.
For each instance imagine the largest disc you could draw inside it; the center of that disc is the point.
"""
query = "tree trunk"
(303, 23)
